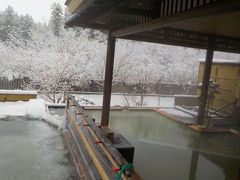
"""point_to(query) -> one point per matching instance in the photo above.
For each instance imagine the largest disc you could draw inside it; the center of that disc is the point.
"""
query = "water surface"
(169, 151)
(32, 150)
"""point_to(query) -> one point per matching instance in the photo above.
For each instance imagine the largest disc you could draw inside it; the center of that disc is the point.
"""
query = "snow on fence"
(132, 100)
(17, 95)
(18, 92)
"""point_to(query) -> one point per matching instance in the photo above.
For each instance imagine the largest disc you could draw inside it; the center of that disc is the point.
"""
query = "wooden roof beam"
(95, 26)
(104, 4)
(179, 37)
(209, 10)
(134, 11)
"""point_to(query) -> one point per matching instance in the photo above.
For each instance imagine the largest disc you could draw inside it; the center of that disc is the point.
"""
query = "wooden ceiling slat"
(208, 10)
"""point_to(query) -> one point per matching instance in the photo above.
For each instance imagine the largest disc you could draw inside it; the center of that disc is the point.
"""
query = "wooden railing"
(93, 153)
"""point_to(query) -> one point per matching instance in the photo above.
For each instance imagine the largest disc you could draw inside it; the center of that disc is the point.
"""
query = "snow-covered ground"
(35, 108)
(38, 108)
(182, 116)
(176, 112)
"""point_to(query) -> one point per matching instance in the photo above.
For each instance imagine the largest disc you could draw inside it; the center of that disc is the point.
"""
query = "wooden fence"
(93, 86)
(15, 83)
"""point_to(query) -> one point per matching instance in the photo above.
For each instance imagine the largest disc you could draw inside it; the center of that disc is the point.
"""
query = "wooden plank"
(106, 152)
(88, 163)
(117, 156)
(116, 159)
(93, 156)
(76, 157)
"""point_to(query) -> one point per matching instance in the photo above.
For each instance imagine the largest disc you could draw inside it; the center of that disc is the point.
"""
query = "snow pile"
(18, 92)
(85, 101)
(34, 108)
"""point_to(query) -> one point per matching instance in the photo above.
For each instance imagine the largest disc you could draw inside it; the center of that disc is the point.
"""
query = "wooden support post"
(205, 82)
(108, 80)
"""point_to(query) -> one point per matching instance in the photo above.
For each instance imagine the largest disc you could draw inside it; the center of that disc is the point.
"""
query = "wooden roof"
(188, 23)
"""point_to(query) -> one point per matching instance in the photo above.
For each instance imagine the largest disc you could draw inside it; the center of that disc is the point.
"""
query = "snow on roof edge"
(223, 61)
(3, 91)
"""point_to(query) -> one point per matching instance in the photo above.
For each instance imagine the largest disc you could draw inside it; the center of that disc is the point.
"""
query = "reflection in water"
(167, 150)
(172, 162)
(194, 163)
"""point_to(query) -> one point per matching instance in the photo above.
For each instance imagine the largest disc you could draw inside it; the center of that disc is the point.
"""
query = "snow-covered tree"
(67, 15)
(56, 59)
(26, 25)
(8, 24)
(7, 61)
(14, 28)
(54, 64)
(56, 20)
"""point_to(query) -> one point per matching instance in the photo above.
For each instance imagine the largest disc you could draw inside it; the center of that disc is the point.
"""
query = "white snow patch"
(56, 104)
(3, 91)
(222, 61)
(176, 112)
(187, 96)
(35, 108)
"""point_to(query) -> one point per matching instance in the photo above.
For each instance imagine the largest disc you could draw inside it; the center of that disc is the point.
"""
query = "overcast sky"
(38, 9)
